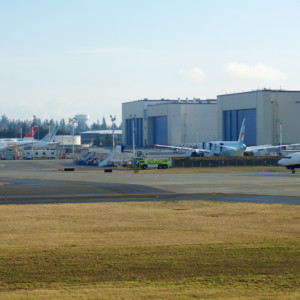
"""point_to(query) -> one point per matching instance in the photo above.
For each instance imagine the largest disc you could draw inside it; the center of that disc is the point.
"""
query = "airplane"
(28, 139)
(216, 148)
(11, 142)
(47, 140)
(31, 133)
(291, 161)
(225, 148)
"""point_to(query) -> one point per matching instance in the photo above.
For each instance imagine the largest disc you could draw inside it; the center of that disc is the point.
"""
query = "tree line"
(18, 129)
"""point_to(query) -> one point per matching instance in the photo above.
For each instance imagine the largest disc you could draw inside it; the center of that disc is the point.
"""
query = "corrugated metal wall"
(160, 130)
(138, 130)
(232, 125)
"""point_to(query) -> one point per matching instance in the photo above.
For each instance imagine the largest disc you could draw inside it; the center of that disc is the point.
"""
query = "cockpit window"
(288, 157)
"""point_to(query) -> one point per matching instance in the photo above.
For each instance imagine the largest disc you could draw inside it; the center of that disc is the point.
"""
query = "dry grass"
(145, 224)
(166, 250)
(130, 291)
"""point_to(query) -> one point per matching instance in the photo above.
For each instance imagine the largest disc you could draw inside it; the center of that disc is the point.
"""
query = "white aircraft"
(28, 139)
(291, 161)
(217, 148)
(47, 140)
(31, 134)
(225, 148)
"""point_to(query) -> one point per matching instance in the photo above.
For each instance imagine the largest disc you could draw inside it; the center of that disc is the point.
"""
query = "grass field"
(155, 250)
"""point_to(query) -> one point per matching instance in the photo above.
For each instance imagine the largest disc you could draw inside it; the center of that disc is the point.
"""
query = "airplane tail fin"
(52, 134)
(242, 132)
(32, 132)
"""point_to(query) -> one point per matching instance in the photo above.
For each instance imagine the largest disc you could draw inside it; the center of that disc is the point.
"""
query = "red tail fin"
(32, 132)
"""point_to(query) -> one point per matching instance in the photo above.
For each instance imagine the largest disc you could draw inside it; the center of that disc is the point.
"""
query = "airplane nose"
(281, 162)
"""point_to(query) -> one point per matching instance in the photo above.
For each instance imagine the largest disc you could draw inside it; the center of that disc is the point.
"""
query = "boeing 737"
(291, 161)
(225, 148)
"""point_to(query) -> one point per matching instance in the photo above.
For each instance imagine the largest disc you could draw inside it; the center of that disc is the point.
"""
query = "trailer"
(40, 154)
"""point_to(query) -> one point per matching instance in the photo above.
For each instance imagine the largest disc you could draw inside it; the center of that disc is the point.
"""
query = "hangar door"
(160, 130)
(232, 125)
(138, 132)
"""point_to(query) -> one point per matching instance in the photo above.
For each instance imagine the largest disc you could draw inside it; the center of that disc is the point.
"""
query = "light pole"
(113, 119)
(34, 123)
(73, 121)
(30, 123)
(280, 133)
(30, 126)
(49, 125)
(35, 119)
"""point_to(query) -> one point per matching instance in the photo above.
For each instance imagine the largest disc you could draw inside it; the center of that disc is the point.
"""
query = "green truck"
(154, 163)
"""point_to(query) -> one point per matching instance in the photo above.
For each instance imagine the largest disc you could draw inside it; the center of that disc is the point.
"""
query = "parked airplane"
(225, 148)
(11, 142)
(47, 140)
(291, 161)
(217, 148)
(31, 133)
(28, 139)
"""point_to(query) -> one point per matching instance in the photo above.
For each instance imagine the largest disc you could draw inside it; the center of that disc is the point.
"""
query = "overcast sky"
(59, 58)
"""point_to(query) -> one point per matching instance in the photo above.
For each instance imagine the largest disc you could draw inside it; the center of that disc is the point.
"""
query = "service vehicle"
(154, 163)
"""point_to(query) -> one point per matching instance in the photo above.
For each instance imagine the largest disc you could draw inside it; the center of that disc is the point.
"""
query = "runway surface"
(37, 182)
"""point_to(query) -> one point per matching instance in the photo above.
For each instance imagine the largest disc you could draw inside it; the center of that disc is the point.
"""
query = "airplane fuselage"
(5, 143)
(291, 161)
(224, 148)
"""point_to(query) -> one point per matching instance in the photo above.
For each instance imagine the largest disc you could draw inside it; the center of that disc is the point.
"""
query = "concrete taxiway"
(41, 182)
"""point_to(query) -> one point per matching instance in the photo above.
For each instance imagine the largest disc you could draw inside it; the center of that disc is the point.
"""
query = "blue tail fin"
(53, 131)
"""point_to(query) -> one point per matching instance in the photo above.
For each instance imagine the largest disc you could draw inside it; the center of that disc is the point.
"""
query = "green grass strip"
(269, 265)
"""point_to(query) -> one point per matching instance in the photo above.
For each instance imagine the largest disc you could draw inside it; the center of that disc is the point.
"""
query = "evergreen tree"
(96, 126)
(103, 125)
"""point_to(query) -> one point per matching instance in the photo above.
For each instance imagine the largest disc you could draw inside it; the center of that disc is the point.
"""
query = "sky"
(59, 58)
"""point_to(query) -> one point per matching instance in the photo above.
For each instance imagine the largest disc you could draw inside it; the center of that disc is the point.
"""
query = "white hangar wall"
(169, 122)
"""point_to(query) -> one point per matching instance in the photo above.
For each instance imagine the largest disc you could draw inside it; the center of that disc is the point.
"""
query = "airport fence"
(196, 162)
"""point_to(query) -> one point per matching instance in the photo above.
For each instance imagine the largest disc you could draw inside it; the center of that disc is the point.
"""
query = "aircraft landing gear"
(293, 171)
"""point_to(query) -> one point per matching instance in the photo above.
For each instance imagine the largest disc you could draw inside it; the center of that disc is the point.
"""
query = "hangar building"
(272, 116)
(169, 122)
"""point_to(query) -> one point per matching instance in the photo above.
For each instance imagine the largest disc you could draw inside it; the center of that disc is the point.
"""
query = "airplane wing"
(182, 148)
(263, 147)
(22, 144)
